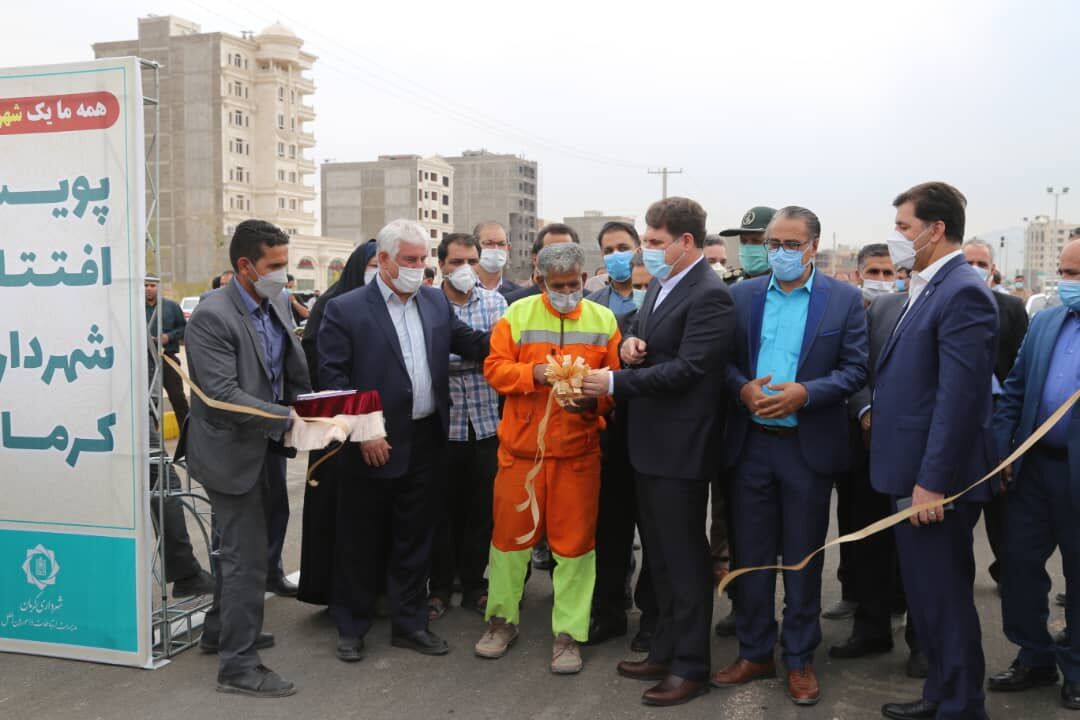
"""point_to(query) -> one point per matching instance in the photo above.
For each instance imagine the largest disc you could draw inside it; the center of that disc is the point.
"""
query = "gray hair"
(979, 242)
(561, 258)
(794, 212)
(396, 232)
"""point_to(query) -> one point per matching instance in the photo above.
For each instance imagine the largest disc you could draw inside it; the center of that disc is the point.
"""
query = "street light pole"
(1057, 195)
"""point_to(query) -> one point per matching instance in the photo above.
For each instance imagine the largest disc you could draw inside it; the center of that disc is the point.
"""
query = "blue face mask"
(787, 265)
(754, 259)
(639, 297)
(1069, 292)
(982, 272)
(655, 262)
(901, 285)
(618, 265)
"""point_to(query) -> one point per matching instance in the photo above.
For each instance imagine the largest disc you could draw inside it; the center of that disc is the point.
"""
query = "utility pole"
(664, 172)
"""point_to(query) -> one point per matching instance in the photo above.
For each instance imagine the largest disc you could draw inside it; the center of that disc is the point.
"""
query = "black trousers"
(412, 502)
(174, 388)
(848, 513)
(673, 533)
(616, 518)
(179, 558)
(277, 516)
(463, 537)
(239, 560)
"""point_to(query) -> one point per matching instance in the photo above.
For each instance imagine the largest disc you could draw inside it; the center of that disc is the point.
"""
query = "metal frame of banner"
(175, 626)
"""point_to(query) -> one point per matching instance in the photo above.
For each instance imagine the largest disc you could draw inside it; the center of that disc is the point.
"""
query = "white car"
(188, 305)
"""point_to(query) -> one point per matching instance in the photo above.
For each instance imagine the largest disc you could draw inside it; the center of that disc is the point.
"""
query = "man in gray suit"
(242, 349)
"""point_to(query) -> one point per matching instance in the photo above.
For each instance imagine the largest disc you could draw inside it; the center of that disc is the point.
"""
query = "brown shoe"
(674, 690)
(642, 670)
(802, 686)
(743, 671)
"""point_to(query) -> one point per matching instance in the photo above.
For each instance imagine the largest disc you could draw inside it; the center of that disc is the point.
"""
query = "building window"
(419, 195)
(281, 175)
(292, 151)
(292, 96)
(239, 89)
(446, 218)
(419, 216)
(239, 117)
(420, 175)
(434, 234)
(292, 177)
(305, 264)
(231, 174)
(445, 199)
(446, 180)
(281, 150)
(240, 174)
(292, 203)
(281, 122)
(281, 203)
(292, 123)
(281, 93)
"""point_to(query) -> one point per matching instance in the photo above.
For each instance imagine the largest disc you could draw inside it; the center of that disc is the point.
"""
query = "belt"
(1054, 453)
(776, 430)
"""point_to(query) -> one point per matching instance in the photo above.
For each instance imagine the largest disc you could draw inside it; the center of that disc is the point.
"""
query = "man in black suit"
(1012, 326)
(550, 234)
(394, 335)
(676, 353)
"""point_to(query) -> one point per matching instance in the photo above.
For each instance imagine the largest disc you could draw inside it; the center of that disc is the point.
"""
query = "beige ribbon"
(245, 410)
(905, 514)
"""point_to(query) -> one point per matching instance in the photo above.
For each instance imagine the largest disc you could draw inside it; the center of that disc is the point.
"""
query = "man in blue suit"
(394, 335)
(800, 351)
(931, 437)
(1042, 504)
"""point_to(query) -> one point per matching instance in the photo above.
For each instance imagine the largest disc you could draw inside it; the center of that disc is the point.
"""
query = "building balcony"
(304, 84)
(305, 112)
(305, 165)
(305, 139)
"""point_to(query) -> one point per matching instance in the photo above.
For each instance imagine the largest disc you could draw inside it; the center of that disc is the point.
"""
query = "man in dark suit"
(242, 349)
(676, 352)
(800, 351)
(1044, 496)
(550, 234)
(494, 252)
(1012, 326)
(931, 437)
(394, 335)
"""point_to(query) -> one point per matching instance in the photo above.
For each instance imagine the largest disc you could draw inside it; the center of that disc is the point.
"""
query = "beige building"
(359, 198)
(588, 230)
(233, 137)
(1043, 242)
(500, 187)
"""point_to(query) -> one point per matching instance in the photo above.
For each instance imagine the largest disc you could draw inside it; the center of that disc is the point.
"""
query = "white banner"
(74, 554)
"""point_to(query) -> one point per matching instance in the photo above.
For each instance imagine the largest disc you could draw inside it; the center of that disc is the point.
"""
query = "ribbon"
(246, 410)
(905, 514)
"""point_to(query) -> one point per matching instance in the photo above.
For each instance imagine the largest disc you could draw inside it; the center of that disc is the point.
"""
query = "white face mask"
(463, 279)
(492, 259)
(369, 275)
(408, 280)
(565, 303)
(272, 283)
(873, 288)
(902, 251)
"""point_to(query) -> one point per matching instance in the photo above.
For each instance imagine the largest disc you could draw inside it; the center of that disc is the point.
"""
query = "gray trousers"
(236, 618)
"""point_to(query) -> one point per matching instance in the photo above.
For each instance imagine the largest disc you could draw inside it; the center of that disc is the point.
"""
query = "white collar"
(927, 274)
(673, 280)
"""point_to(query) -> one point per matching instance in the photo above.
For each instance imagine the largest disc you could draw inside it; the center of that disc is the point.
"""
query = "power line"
(664, 172)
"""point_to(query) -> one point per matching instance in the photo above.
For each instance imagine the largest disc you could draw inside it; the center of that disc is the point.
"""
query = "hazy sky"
(833, 105)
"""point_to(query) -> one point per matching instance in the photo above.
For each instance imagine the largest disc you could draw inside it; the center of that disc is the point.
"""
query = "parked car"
(188, 305)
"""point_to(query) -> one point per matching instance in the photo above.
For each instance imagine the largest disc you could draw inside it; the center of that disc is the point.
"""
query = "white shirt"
(919, 280)
(410, 333)
(668, 284)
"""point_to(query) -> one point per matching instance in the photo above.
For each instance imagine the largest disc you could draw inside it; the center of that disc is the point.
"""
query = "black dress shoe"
(209, 645)
(1070, 695)
(918, 710)
(858, 646)
(1021, 677)
(642, 642)
(674, 690)
(916, 667)
(603, 630)
(258, 682)
(422, 641)
(350, 649)
(201, 583)
(726, 627)
(282, 587)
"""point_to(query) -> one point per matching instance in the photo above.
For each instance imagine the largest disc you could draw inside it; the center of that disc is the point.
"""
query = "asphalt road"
(396, 683)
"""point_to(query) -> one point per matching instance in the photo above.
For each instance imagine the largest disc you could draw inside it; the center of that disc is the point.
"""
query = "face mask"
(1018, 285)
(492, 259)
(463, 279)
(873, 288)
(1069, 292)
(639, 297)
(369, 275)
(271, 284)
(720, 270)
(408, 280)
(618, 265)
(564, 303)
(982, 272)
(787, 265)
(754, 259)
(902, 251)
(656, 263)
(901, 285)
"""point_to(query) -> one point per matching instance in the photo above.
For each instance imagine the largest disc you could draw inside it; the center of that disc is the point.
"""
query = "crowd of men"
(746, 395)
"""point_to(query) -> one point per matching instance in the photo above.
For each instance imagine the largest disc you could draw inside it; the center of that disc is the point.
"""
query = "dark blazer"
(1018, 406)
(931, 422)
(359, 350)
(522, 292)
(832, 365)
(506, 287)
(1012, 326)
(226, 451)
(672, 398)
(881, 317)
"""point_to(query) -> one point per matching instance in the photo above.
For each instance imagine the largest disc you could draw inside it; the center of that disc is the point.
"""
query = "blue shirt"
(472, 400)
(410, 334)
(272, 334)
(610, 298)
(782, 328)
(1062, 379)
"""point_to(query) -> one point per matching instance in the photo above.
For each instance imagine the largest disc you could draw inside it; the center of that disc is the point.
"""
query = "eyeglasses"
(786, 244)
